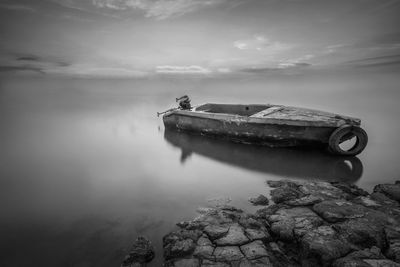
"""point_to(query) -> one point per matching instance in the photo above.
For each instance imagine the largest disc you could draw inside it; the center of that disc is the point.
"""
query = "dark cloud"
(381, 64)
(372, 59)
(391, 60)
(302, 64)
(258, 70)
(28, 58)
(28, 62)
(281, 67)
(21, 68)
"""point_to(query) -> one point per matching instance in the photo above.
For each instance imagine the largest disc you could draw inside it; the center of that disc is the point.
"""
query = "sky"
(141, 38)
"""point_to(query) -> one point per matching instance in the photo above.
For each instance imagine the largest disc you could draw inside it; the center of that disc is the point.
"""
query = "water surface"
(86, 165)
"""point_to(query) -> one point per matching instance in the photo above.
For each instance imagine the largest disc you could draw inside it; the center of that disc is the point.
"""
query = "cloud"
(285, 65)
(20, 69)
(259, 43)
(258, 69)
(87, 70)
(158, 9)
(296, 62)
(28, 58)
(390, 60)
(17, 7)
(279, 67)
(42, 63)
(182, 69)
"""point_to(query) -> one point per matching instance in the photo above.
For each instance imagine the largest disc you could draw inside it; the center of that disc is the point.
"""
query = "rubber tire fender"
(347, 130)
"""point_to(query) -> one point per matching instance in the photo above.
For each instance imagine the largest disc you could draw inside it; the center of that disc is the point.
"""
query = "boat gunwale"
(238, 119)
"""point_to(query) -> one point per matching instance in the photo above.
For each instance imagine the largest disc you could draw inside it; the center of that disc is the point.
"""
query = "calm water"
(86, 166)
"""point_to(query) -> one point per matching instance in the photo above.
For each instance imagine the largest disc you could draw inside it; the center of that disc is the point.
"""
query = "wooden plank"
(267, 111)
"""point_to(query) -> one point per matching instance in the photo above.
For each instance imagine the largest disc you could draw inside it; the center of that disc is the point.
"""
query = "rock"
(208, 263)
(280, 255)
(258, 234)
(392, 191)
(350, 189)
(281, 183)
(367, 257)
(251, 221)
(179, 248)
(180, 243)
(204, 248)
(211, 216)
(231, 208)
(254, 250)
(142, 251)
(304, 201)
(263, 213)
(204, 241)
(261, 200)
(205, 252)
(381, 263)
(292, 223)
(380, 202)
(339, 210)
(228, 254)
(366, 202)
(393, 239)
(216, 231)
(282, 194)
(322, 190)
(186, 263)
(313, 224)
(324, 244)
(363, 232)
(383, 199)
(235, 236)
(305, 193)
(260, 262)
(189, 225)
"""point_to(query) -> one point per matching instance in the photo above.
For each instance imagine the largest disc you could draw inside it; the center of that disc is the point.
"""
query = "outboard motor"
(184, 102)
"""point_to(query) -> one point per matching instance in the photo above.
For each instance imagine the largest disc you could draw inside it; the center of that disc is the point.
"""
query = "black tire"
(344, 133)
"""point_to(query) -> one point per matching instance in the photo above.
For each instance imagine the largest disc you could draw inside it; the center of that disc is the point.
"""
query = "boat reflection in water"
(285, 162)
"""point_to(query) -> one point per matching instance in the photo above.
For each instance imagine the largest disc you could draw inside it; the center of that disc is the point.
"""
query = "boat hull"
(244, 130)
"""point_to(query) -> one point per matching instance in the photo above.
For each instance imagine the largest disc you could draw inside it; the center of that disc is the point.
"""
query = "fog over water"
(86, 165)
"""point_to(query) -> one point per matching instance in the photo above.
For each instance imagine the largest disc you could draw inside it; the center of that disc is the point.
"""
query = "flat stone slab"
(367, 257)
(339, 210)
(204, 252)
(228, 253)
(257, 234)
(260, 262)
(216, 231)
(390, 190)
(186, 263)
(288, 223)
(325, 243)
(254, 250)
(235, 236)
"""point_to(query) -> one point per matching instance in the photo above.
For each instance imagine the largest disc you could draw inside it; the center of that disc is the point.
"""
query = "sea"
(86, 165)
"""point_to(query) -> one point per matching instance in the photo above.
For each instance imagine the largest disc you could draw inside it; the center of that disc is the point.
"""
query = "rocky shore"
(308, 224)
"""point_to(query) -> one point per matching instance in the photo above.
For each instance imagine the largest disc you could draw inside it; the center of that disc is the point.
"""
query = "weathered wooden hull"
(239, 130)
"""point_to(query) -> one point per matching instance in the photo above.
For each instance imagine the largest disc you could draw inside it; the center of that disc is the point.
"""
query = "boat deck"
(276, 113)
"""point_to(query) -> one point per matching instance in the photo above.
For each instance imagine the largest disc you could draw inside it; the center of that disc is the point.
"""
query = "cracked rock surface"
(309, 224)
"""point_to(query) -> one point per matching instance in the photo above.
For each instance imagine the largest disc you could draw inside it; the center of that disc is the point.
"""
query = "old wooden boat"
(268, 124)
